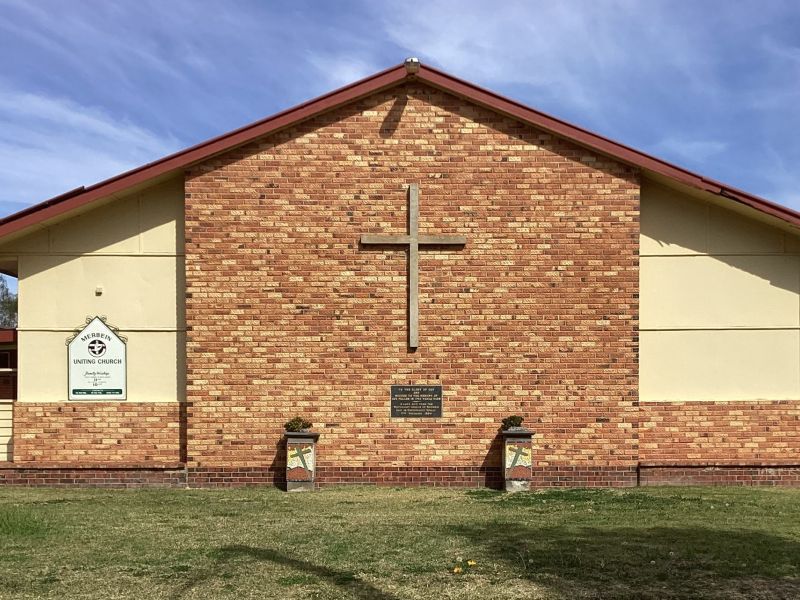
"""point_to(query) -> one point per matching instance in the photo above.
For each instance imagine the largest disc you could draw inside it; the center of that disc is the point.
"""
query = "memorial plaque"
(416, 401)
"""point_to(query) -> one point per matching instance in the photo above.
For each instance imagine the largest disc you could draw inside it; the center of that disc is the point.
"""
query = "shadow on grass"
(632, 562)
(226, 556)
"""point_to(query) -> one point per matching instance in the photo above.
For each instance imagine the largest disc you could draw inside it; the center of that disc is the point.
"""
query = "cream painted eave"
(132, 191)
(721, 201)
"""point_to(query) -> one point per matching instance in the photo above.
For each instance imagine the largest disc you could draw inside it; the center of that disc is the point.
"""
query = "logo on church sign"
(97, 368)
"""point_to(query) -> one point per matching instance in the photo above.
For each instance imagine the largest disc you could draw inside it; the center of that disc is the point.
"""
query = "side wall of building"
(123, 261)
(720, 336)
(537, 315)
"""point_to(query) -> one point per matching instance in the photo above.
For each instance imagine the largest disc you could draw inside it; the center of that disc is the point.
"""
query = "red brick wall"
(537, 315)
(85, 433)
(728, 432)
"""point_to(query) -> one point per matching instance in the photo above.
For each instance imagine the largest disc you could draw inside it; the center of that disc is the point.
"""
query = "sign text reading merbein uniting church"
(97, 364)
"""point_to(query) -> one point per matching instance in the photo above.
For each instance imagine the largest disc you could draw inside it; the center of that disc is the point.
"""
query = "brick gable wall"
(536, 315)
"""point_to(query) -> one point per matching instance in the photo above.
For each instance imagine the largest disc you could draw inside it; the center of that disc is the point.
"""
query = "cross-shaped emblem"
(300, 454)
(97, 348)
(413, 240)
(519, 452)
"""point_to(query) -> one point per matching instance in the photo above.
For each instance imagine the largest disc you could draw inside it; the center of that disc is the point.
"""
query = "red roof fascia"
(600, 143)
(8, 336)
(385, 79)
(81, 196)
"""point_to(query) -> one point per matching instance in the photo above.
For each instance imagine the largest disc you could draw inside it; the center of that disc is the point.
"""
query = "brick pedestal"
(301, 460)
(517, 459)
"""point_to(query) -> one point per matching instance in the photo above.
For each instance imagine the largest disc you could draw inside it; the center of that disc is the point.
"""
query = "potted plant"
(301, 454)
(297, 424)
(512, 422)
(517, 454)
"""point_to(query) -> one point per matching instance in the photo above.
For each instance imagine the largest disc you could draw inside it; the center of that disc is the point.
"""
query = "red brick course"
(177, 476)
(439, 476)
(78, 433)
(722, 475)
(536, 316)
(111, 477)
(436, 476)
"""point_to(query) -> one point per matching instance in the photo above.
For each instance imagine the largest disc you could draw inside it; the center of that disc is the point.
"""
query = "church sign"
(97, 363)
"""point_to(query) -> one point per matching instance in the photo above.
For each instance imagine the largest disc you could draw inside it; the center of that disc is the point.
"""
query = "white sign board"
(97, 364)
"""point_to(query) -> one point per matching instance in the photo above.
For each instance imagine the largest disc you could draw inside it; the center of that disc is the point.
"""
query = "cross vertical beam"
(413, 266)
(413, 240)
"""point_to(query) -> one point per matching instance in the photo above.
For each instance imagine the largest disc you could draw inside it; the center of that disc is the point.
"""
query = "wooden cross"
(413, 240)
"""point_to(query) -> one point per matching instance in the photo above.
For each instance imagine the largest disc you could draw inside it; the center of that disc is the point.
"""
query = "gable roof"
(79, 197)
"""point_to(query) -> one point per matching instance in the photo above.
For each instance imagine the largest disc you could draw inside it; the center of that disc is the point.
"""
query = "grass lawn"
(359, 542)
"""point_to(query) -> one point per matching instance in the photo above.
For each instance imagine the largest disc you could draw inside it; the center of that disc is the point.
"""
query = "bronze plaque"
(416, 401)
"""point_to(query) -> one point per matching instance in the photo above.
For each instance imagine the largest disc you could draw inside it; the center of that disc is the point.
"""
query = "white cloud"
(51, 145)
(787, 52)
(341, 69)
(781, 181)
(586, 55)
(693, 150)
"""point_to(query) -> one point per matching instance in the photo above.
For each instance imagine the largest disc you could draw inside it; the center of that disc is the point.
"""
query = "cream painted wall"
(156, 369)
(719, 303)
(132, 248)
(139, 290)
(5, 430)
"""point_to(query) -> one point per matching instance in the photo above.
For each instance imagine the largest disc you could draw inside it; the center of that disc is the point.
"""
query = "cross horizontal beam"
(427, 240)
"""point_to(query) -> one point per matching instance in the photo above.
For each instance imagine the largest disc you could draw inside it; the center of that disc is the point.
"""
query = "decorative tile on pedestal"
(517, 459)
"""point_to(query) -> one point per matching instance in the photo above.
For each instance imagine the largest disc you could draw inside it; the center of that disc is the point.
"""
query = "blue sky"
(89, 89)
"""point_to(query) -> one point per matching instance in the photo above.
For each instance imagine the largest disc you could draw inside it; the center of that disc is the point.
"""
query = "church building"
(410, 233)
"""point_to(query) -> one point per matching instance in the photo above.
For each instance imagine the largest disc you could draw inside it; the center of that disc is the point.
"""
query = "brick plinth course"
(779, 475)
(100, 476)
(205, 477)
(440, 476)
